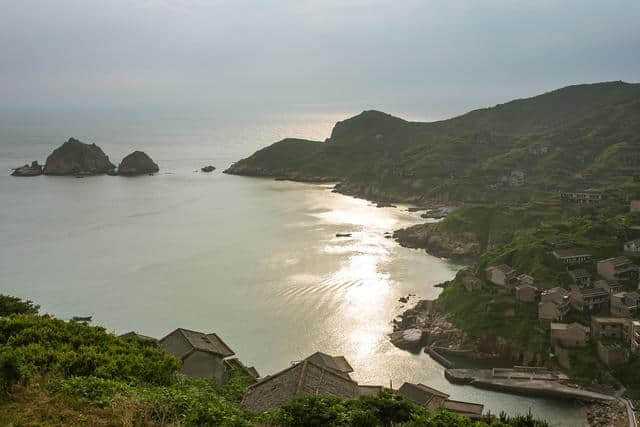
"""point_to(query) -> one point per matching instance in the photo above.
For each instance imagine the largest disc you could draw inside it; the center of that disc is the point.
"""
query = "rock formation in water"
(34, 169)
(137, 163)
(77, 158)
(208, 169)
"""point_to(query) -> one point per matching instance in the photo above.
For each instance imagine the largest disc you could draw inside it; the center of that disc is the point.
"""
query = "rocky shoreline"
(426, 325)
(439, 243)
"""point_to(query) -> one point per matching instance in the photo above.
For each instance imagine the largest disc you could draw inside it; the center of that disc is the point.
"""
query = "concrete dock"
(526, 381)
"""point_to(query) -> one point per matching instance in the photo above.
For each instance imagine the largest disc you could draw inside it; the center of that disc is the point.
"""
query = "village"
(207, 356)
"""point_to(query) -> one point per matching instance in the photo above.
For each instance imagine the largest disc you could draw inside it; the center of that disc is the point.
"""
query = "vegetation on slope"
(67, 373)
(572, 137)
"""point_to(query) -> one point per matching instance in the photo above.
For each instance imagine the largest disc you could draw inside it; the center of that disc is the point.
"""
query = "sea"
(255, 260)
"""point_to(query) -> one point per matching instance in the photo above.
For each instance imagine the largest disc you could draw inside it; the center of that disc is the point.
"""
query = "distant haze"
(436, 57)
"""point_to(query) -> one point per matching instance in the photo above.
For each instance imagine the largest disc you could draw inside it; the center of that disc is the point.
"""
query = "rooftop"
(210, 343)
(580, 273)
(420, 393)
(594, 292)
(570, 253)
(617, 261)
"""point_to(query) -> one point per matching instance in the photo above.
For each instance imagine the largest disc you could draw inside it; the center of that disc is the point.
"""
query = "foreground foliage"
(67, 373)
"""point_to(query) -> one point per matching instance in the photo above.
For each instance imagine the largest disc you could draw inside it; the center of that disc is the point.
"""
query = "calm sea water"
(254, 260)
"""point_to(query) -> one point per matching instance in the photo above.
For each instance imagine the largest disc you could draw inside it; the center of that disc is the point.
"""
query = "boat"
(82, 318)
(343, 234)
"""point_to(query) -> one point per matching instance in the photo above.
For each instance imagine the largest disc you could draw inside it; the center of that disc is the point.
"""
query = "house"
(624, 304)
(569, 335)
(501, 275)
(581, 277)
(370, 390)
(634, 206)
(435, 400)
(517, 178)
(591, 300)
(608, 327)
(590, 195)
(548, 311)
(611, 287)
(234, 364)
(632, 246)
(137, 336)
(634, 336)
(526, 293)
(617, 269)
(525, 279)
(472, 283)
(613, 353)
(202, 354)
(423, 395)
(335, 363)
(303, 378)
(571, 255)
(557, 295)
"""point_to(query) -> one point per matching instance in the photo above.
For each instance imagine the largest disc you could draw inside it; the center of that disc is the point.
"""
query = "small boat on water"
(343, 234)
(82, 318)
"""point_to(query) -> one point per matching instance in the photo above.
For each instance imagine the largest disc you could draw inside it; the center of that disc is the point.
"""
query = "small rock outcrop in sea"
(77, 158)
(208, 169)
(137, 163)
(409, 339)
(34, 169)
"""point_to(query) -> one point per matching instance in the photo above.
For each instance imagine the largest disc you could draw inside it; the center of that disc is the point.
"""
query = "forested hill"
(575, 137)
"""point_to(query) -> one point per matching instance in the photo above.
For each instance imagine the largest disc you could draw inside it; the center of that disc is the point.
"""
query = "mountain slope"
(574, 137)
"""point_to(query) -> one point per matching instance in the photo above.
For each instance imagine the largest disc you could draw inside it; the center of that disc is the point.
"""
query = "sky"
(447, 56)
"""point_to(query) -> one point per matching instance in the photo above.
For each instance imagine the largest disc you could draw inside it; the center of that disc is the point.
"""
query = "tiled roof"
(210, 343)
(419, 393)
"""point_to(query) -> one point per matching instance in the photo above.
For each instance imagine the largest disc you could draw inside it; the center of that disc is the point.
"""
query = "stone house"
(335, 363)
(137, 336)
(202, 355)
(624, 304)
(634, 336)
(525, 279)
(502, 275)
(303, 378)
(590, 195)
(608, 327)
(569, 335)
(549, 311)
(613, 353)
(618, 269)
(435, 400)
(571, 256)
(557, 295)
(632, 246)
(580, 277)
(611, 287)
(234, 364)
(590, 300)
(526, 293)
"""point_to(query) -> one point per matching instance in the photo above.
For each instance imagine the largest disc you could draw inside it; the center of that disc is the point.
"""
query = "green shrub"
(11, 305)
(10, 367)
(93, 390)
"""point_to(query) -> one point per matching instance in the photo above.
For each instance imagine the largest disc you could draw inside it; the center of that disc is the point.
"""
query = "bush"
(11, 305)
(49, 345)
(93, 390)
(10, 368)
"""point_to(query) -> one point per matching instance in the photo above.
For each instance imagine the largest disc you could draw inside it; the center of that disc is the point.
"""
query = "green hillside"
(575, 137)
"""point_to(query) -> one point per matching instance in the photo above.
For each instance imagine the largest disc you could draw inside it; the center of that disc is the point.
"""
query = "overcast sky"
(445, 55)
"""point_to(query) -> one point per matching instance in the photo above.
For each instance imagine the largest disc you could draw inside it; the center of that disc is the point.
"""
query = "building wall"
(175, 344)
(526, 294)
(201, 364)
(606, 270)
(612, 356)
(548, 311)
(608, 330)
(497, 277)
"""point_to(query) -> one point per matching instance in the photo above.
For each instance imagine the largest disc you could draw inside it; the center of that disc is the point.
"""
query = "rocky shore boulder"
(77, 158)
(439, 243)
(137, 163)
(409, 339)
(34, 169)
(208, 169)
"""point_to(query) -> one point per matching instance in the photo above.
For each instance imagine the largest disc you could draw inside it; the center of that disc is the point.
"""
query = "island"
(77, 158)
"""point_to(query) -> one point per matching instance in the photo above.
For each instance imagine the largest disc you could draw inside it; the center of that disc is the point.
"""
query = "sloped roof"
(210, 343)
(235, 363)
(337, 363)
(570, 252)
(463, 408)
(133, 334)
(420, 393)
(303, 378)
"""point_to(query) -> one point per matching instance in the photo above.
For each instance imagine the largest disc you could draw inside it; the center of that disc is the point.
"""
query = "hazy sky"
(443, 55)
